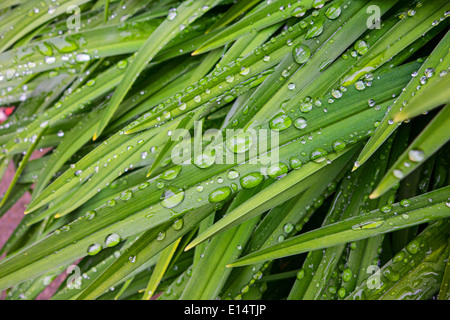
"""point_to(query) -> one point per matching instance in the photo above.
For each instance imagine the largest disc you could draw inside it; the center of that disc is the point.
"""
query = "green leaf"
(250, 208)
(373, 223)
(433, 137)
(184, 15)
(400, 280)
(22, 166)
(387, 126)
(160, 268)
(261, 17)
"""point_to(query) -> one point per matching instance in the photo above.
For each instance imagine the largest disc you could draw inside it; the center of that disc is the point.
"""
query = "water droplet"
(280, 122)
(50, 60)
(298, 12)
(94, 249)
(233, 174)
(413, 246)
(300, 123)
(347, 275)
(305, 106)
(219, 194)
(112, 240)
(361, 47)
(318, 155)
(171, 173)
(83, 57)
(398, 173)
(301, 274)
(315, 30)
(126, 195)
(288, 227)
(111, 203)
(161, 236)
(429, 72)
(251, 180)
(333, 12)
(336, 93)
(416, 155)
(178, 224)
(405, 203)
(244, 71)
(277, 169)
(390, 274)
(301, 53)
(122, 64)
(172, 14)
(338, 145)
(360, 85)
(90, 215)
(295, 163)
(172, 197)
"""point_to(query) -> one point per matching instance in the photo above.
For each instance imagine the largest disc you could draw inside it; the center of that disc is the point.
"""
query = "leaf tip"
(374, 194)
(196, 52)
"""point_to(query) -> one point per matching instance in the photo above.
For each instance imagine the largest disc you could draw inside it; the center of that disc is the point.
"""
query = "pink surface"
(12, 218)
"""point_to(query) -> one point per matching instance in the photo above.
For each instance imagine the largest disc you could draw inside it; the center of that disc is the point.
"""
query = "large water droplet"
(280, 122)
(172, 197)
(295, 163)
(233, 174)
(333, 12)
(318, 155)
(126, 195)
(277, 169)
(112, 240)
(178, 224)
(171, 173)
(301, 53)
(251, 180)
(172, 14)
(361, 47)
(416, 155)
(300, 123)
(219, 194)
(94, 249)
(398, 174)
